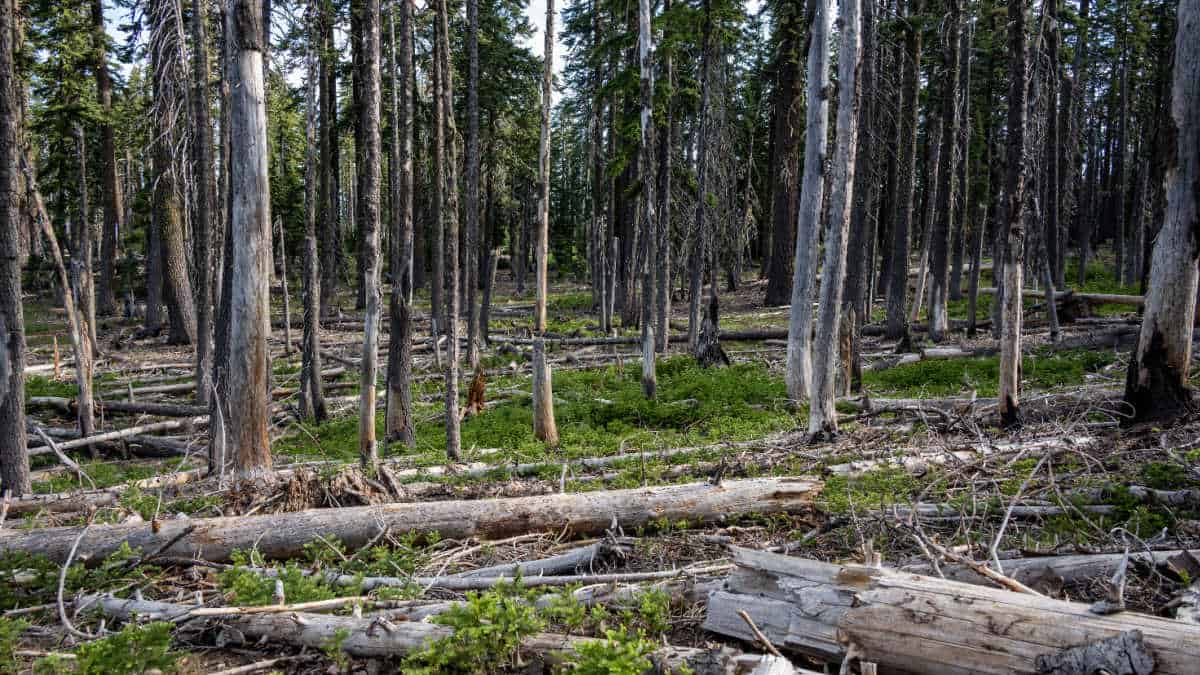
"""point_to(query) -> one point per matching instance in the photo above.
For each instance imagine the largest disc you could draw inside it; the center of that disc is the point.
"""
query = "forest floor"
(919, 459)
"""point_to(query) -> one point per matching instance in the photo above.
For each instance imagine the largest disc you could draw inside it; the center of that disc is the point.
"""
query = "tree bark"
(1014, 225)
(544, 427)
(331, 237)
(370, 86)
(826, 361)
(399, 418)
(250, 230)
(284, 535)
(14, 463)
(450, 215)
(945, 218)
(666, 147)
(106, 300)
(205, 201)
(911, 623)
(650, 233)
(1156, 385)
(785, 156)
(471, 259)
(799, 373)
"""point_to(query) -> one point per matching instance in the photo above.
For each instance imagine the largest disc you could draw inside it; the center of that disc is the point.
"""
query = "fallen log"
(284, 535)
(1061, 569)
(918, 624)
(1090, 298)
(916, 462)
(726, 335)
(67, 405)
(582, 558)
(368, 637)
(128, 432)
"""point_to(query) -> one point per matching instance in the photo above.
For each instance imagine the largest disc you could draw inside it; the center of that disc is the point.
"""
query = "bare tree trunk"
(1053, 175)
(106, 300)
(963, 166)
(368, 42)
(826, 360)
(943, 224)
(1014, 261)
(76, 321)
(1156, 384)
(799, 373)
(250, 230)
(14, 461)
(650, 232)
(331, 237)
(471, 258)
(438, 245)
(897, 320)
(786, 128)
(205, 201)
(544, 427)
(399, 427)
(450, 215)
(933, 156)
(312, 400)
(82, 281)
(701, 237)
(666, 144)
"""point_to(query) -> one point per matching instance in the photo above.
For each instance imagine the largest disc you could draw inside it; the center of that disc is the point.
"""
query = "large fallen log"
(1090, 298)
(367, 637)
(67, 405)
(1062, 569)
(726, 335)
(128, 432)
(917, 624)
(284, 535)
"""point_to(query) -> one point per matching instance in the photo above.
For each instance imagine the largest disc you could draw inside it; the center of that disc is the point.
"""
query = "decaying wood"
(128, 432)
(1058, 570)
(917, 461)
(373, 637)
(1090, 298)
(919, 624)
(577, 559)
(138, 407)
(284, 535)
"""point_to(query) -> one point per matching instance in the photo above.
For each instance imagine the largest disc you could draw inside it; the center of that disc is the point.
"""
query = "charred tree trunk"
(649, 225)
(205, 201)
(1156, 384)
(250, 230)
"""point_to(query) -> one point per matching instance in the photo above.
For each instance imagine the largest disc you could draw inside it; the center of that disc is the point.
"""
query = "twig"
(993, 552)
(62, 456)
(758, 634)
(62, 580)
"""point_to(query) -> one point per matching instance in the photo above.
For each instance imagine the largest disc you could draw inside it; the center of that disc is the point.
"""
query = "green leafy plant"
(488, 629)
(619, 653)
(10, 634)
(134, 649)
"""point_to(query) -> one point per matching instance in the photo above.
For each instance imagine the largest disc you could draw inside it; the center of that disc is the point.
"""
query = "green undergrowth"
(946, 377)
(599, 412)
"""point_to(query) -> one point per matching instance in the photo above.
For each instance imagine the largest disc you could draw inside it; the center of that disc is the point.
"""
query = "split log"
(1060, 569)
(284, 535)
(370, 638)
(160, 409)
(917, 624)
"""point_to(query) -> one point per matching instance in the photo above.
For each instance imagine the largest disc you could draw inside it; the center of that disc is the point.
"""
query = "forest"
(757, 337)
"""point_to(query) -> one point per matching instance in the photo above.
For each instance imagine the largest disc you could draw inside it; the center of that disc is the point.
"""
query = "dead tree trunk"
(666, 146)
(205, 201)
(910, 623)
(650, 232)
(284, 535)
(786, 129)
(1156, 384)
(897, 319)
(544, 427)
(14, 462)
(331, 236)
(450, 215)
(106, 300)
(1014, 225)
(399, 419)
(943, 223)
(250, 230)
(826, 356)
(312, 400)
(812, 196)
(368, 43)
(471, 211)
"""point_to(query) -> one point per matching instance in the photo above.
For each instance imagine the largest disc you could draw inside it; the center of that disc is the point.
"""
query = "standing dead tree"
(544, 427)
(826, 360)
(1156, 384)
(1014, 225)
(399, 420)
(250, 229)
(646, 200)
(312, 400)
(812, 198)
(368, 44)
(450, 216)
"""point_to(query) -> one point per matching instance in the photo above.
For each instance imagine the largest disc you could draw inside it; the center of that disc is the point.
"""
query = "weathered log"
(1061, 569)
(365, 637)
(582, 558)
(1091, 298)
(726, 335)
(918, 624)
(128, 432)
(916, 462)
(284, 535)
(141, 408)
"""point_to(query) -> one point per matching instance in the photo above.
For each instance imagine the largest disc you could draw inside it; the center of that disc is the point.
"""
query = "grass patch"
(947, 377)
